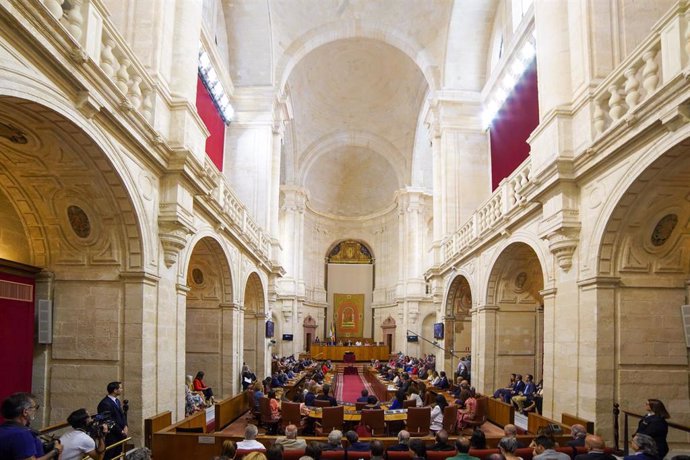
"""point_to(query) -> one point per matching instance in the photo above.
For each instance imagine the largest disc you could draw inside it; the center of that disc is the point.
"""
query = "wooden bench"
(499, 413)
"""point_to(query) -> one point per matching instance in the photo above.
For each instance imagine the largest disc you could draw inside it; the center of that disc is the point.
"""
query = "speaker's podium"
(349, 359)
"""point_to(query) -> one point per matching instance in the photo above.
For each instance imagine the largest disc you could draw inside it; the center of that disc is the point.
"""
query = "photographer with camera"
(88, 437)
(111, 405)
(17, 440)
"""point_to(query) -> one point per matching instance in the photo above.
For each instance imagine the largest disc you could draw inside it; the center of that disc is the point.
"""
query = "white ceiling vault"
(357, 73)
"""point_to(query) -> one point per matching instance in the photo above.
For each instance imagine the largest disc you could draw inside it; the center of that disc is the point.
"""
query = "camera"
(96, 429)
(48, 441)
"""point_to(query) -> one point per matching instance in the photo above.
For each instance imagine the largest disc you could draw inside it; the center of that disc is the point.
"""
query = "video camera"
(99, 422)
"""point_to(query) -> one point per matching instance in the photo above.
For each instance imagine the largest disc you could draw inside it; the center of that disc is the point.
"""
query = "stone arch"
(309, 327)
(388, 327)
(209, 315)
(342, 30)
(65, 187)
(643, 266)
(458, 320)
(513, 316)
(255, 315)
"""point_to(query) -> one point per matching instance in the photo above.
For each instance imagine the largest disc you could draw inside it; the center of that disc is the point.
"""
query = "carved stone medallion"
(664, 228)
(79, 221)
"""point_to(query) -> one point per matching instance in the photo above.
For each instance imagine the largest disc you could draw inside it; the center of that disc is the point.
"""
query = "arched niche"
(458, 321)
(388, 327)
(309, 326)
(514, 291)
(209, 324)
(254, 330)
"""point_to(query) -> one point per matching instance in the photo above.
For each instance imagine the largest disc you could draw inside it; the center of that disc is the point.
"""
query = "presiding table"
(336, 352)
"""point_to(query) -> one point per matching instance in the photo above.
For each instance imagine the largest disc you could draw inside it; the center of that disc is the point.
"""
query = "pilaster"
(483, 375)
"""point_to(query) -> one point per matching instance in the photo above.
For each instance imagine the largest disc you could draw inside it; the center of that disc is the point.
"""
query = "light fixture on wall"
(504, 87)
(209, 78)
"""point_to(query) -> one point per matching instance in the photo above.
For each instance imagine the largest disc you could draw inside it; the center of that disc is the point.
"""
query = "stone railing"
(508, 197)
(656, 61)
(97, 39)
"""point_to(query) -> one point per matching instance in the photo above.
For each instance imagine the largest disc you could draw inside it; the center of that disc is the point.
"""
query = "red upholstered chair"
(409, 403)
(293, 454)
(526, 453)
(357, 455)
(290, 415)
(480, 416)
(399, 454)
(483, 453)
(322, 403)
(450, 418)
(418, 420)
(375, 420)
(439, 454)
(266, 419)
(360, 405)
(333, 454)
(242, 452)
(331, 418)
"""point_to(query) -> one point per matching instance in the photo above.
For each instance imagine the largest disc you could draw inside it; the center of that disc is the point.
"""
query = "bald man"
(290, 441)
(595, 446)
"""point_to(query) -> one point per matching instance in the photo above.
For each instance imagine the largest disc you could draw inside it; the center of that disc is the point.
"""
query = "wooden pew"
(156, 423)
(570, 420)
(230, 409)
(500, 413)
(536, 421)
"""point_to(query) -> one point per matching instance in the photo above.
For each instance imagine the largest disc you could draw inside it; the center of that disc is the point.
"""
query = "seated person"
(193, 401)
(544, 449)
(249, 442)
(462, 444)
(199, 385)
(578, 432)
(354, 444)
(398, 401)
(376, 450)
(365, 396)
(443, 381)
(468, 412)
(403, 442)
(478, 439)
(258, 394)
(595, 446)
(275, 452)
(77, 443)
(290, 440)
(309, 398)
(504, 394)
(335, 438)
(525, 394)
(325, 396)
(441, 441)
(372, 403)
(229, 449)
(276, 381)
(418, 449)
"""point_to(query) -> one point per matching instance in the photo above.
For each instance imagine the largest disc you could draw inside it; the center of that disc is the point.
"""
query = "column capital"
(486, 308)
(599, 282)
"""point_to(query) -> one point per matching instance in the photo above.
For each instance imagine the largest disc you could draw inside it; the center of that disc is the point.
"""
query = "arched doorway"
(638, 295)
(388, 329)
(309, 325)
(349, 288)
(512, 339)
(67, 206)
(255, 341)
(458, 322)
(208, 335)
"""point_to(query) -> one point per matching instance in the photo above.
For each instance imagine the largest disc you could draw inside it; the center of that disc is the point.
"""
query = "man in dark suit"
(403, 442)
(578, 432)
(442, 442)
(112, 405)
(595, 449)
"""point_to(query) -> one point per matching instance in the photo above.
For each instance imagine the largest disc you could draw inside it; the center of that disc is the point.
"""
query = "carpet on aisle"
(351, 387)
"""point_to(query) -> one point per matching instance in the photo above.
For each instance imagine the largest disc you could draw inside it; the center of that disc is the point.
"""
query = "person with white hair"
(290, 440)
(249, 442)
(335, 438)
(578, 432)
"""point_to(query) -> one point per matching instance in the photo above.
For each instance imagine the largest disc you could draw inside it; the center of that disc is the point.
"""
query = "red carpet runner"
(348, 387)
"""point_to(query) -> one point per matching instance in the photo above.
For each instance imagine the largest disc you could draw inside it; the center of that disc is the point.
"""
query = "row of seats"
(525, 453)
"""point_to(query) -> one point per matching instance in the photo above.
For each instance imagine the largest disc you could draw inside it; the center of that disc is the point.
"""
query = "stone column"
(292, 236)
(181, 292)
(412, 227)
(185, 48)
(230, 368)
(148, 360)
(40, 373)
(274, 204)
(483, 375)
(549, 358)
(597, 341)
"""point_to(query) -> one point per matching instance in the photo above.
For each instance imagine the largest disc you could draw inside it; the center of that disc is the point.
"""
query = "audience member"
(275, 452)
(654, 424)
(249, 442)
(376, 450)
(478, 439)
(510, 431)
(504, 394)
(17, 439)
(403, 442)
(311, 394)
(437, 413)
(373, 403)
(418, 449)
(544, 449)
(119, 430)
(398, 401)
(335, 438)
(508, 446)
(595, 449)
(644, 447)
(578, 432)
(354, 444)
(256, 455)
(365, 396)
(443, 381)
(78, 443)
(525, 394)
(228, 449)
(248, 377)
(199, 385)
(468, 412)
(441, 441)
(462, 444)
(313, 450)
(325, 396)
(193, 402)
(290, 440)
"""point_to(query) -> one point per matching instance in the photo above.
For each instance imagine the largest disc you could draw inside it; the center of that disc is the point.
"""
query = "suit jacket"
(529, 389)
(439, 447)
(595, 456)
(359, 447)
(519, 386)
(292, 444)
(116, 413)
(657, 428)
(399, 447)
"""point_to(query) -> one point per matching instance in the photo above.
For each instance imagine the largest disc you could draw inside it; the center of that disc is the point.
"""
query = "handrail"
(626, 429)
(117, 444)
(409, 332)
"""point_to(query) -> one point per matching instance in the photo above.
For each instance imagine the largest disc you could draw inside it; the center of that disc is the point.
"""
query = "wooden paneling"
(570, 420)
(536, 421)
(499, 413)
(336, 352)
(156, 423)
